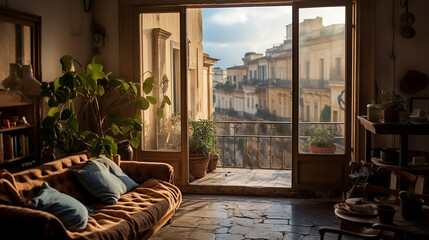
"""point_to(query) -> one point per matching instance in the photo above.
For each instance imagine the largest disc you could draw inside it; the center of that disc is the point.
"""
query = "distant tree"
(325, 114)
(263, 113)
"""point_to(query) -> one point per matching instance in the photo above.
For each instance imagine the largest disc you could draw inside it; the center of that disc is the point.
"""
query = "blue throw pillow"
(72, 213)
(117, 171)
(102, 184)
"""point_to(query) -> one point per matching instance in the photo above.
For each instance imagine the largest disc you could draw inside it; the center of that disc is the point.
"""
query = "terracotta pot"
(391, 116)
(125, 150)
(330, 149)
(214, 159)
(198, 165)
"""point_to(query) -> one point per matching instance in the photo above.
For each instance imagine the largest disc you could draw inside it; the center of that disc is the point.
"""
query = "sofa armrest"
(142, 171)
(26, 223)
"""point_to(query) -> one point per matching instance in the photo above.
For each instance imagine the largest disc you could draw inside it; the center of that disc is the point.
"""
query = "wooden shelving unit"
(14, 103)
(404, 129)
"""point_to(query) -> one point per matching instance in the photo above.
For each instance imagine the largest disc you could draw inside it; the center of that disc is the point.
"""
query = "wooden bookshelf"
(25, 152)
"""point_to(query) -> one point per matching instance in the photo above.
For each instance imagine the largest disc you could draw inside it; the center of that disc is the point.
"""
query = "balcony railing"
(266, 144)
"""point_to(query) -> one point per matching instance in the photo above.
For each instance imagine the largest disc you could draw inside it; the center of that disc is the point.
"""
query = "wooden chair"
(368, 189)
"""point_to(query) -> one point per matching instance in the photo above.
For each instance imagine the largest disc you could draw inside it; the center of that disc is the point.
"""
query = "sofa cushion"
(102, 184)
(117, 171)
(70, 211)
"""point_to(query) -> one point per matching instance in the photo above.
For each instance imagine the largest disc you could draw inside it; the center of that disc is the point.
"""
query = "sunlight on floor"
(247, 177)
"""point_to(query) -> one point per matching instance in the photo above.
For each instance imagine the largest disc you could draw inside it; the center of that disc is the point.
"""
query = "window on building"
(253, 104)
(273, 74)
(335, 116)
(248, 102)
(307, 70)
(316, 112)
(254, 74)
(280, 109)
(307, 113)
(338, 68)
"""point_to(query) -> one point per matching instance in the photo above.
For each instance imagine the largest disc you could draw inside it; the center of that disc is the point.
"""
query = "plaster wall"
(411, 54)
(65, 30)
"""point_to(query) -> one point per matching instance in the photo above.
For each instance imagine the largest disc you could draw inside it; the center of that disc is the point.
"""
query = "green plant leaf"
(137, 126)
(48, 122)
(116, 130)
(96, 151)
(160, 113)
(142, 103)
(99, 91)
(109, 138)
(134, 88)
(57, 83)
(149, 80)
(66, 114)
(135, 142)
(67, 63)
(147, 86)
(65, 80)
(86, 133)
(167, 100)
(82, 80)
(93, 67)
(53, 111)
(73, 125)
(151, 99)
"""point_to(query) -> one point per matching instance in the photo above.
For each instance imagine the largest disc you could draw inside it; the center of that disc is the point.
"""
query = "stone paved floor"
(247, 177)
(226, 217)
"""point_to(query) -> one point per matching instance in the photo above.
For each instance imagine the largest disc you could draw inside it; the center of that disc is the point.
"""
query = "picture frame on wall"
(419, 103)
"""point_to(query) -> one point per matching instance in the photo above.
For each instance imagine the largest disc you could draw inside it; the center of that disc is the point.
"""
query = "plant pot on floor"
(330, 149)
(214, 159)
(198, 165)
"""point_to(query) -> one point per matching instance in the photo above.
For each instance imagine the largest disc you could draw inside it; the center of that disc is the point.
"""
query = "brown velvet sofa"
(137, 215)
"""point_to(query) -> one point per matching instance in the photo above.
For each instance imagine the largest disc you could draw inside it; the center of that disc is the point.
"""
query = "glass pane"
(160, 58)
(321, 80)
(252, 83)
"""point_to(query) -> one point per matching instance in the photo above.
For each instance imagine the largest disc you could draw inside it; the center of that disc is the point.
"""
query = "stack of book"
(13, 146)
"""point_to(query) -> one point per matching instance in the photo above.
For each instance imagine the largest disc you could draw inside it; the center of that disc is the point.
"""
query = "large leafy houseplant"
(62, 129)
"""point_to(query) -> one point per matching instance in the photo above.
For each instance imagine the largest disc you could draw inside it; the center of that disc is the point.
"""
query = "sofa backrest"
(57, 175)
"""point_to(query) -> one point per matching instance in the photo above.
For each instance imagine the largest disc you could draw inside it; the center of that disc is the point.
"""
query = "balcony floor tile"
(246, 177)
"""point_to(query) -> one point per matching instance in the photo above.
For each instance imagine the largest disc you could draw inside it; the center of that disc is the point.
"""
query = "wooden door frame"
(304, 164)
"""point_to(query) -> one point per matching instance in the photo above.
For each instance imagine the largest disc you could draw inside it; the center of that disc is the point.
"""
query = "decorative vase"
(12, 82)
(125, 150)
(391, 116)
(29, 85)
(198, 165)
(214, 159)
(330, 149)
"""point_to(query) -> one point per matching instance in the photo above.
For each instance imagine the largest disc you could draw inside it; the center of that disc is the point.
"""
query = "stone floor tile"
(292, 236)
(258, 234)
(239, 229)
(276, 221)
(189, 222)
(228, 236)
(199, 235)
(207, 213)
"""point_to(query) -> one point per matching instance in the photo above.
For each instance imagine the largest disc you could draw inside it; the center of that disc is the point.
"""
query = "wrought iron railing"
(266, 144)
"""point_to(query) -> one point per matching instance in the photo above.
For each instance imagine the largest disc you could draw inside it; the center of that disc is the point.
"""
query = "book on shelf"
(13, 146)
(1, 148)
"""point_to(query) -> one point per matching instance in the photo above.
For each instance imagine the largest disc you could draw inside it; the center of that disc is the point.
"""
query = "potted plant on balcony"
(392, 105)
(63, 128)
(214, 148)
(322, 141)
(199, 147)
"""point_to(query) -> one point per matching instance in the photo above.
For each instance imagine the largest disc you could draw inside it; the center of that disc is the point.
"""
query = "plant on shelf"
(63, 127)
(200, 145)
(322, 141)
(392, 104)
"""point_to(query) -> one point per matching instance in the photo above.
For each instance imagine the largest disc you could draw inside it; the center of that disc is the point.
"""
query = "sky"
(228, 33)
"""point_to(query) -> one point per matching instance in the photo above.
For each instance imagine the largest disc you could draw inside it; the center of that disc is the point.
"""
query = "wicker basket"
(198, 165)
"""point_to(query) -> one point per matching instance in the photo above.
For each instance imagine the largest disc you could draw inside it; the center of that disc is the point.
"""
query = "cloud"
(229, 16)
(228, 33)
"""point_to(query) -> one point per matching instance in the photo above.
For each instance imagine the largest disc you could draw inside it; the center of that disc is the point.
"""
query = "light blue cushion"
(70, 211)
(117, 171)
(98, 180)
